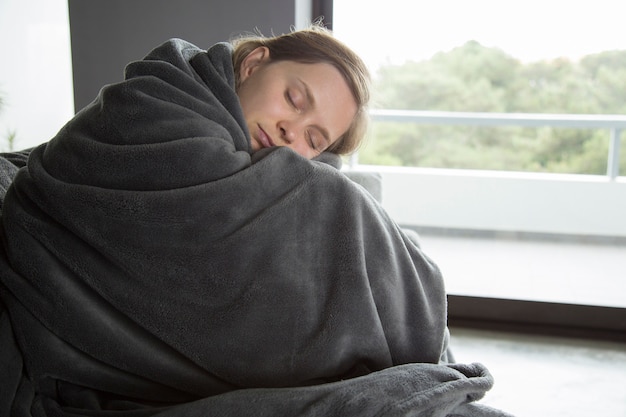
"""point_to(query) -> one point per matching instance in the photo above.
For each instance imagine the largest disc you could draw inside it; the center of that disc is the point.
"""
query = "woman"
(169, 253)
(338, 78)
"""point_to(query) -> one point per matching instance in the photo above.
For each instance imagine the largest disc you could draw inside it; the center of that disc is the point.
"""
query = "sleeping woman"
(186, 245)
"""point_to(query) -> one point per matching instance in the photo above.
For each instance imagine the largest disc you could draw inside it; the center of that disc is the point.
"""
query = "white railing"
(613, 123)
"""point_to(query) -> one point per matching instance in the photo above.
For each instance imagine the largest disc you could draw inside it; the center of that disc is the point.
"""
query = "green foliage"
(479, 79)
(9, 144)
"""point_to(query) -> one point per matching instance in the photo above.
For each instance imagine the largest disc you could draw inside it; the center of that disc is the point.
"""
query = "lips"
(264, 138)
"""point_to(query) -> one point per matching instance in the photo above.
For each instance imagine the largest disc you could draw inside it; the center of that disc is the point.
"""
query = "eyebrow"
(311, 100)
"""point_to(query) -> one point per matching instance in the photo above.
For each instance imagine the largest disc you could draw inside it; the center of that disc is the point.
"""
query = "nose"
(288, 131)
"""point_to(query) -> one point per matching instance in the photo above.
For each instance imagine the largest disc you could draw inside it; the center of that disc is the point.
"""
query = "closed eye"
(292, 101)
(312, 143)
(317, 142)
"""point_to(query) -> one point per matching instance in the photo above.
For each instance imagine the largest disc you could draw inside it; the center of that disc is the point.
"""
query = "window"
(36, 76)
(483, 56)
(515, 235)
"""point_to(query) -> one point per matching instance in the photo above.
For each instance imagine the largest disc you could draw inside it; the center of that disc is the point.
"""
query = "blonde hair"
(312, 45)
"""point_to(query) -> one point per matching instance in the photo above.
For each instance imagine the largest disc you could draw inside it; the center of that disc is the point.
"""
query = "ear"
(253, 61)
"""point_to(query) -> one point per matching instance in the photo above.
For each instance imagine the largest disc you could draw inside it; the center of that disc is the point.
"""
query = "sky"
(529, 31)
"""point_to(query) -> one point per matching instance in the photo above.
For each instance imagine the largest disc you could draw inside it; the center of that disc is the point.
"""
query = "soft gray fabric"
(371, 181)
(151, 264)
(10, 162)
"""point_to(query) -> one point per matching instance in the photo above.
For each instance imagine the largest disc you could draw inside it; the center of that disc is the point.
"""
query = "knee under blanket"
(152, 265)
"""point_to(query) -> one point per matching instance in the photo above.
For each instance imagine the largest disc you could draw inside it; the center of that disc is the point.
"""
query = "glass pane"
(498, 208)
(36, 90)
(396, 31)
(503, 148)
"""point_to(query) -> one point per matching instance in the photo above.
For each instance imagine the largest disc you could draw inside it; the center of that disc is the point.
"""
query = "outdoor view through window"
(485, 56)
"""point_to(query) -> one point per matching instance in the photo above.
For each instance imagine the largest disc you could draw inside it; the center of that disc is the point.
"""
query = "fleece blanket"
(151, 265)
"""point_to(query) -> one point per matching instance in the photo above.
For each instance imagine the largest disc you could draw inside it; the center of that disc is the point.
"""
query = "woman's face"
(305, 107)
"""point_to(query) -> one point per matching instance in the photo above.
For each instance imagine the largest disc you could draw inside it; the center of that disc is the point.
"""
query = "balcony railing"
(613, 123)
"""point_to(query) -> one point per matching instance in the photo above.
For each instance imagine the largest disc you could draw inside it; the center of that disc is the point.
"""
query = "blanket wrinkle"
(151, 265)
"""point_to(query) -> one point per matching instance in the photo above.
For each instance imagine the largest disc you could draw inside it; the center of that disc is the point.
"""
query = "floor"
(538, 376)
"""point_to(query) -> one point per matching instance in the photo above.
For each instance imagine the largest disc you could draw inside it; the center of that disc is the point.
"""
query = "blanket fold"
(151, 264)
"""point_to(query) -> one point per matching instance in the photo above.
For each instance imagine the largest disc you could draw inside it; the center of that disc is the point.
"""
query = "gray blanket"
(151, 265)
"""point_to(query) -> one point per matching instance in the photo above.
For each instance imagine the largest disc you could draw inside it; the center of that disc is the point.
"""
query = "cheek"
(245, 101)
(249, 93)
(263, 96)
(302, 148)
(258, 104)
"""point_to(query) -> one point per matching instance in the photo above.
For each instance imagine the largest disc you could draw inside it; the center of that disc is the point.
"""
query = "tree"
(475, 78)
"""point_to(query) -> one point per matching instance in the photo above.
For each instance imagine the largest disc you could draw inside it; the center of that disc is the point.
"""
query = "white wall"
(502, 201)
(35, 70)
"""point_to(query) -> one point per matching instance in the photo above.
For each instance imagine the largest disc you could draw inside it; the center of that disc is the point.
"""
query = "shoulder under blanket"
(151, 264)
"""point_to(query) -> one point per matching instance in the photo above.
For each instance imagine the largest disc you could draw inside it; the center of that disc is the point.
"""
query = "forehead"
(320, 72)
